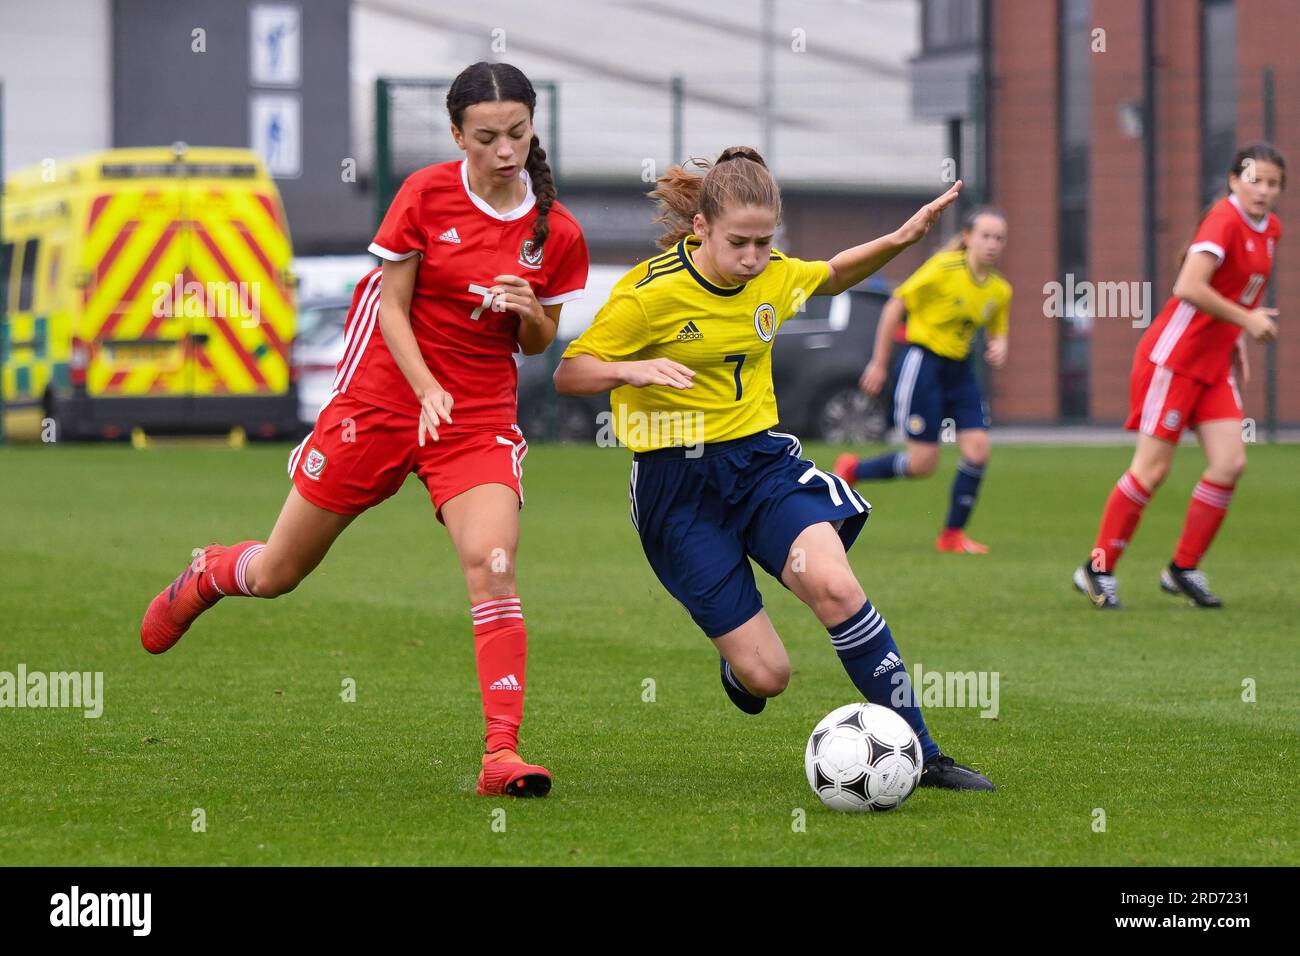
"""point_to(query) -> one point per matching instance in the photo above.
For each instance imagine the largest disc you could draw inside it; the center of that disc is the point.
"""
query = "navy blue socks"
(869, 655)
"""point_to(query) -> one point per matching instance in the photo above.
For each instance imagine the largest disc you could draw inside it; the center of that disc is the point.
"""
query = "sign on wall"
(275, 37)
(275, 60)
(276, 132)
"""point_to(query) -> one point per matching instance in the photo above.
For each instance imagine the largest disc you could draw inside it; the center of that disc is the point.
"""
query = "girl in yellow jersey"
(685, 344)
(950, 298)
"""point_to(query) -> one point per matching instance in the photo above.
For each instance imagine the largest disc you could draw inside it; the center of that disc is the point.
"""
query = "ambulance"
(147, 290)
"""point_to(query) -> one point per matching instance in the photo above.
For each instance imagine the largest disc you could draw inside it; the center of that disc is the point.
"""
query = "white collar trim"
(518, 212)
(1259, 225)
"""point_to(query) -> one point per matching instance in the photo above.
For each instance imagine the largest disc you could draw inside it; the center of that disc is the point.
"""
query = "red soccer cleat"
(505, 773)
(846, 466)
(954, 541)
(172, 612)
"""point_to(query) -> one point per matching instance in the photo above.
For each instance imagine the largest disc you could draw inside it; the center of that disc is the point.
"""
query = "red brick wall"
(1266, 36)
(1024, 165)
(1117, 176)
(1178, 145)
(1025, 169)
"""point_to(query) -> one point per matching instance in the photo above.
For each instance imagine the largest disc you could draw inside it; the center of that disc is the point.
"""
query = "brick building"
(1106, 126)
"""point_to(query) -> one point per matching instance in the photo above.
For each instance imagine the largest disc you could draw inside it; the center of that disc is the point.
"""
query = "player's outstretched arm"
(851, 266)
(588, 375)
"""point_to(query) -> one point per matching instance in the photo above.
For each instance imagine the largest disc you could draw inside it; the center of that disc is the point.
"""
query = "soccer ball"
(862, 757)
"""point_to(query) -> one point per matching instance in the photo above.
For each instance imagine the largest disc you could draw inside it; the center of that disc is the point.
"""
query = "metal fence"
(411, 131)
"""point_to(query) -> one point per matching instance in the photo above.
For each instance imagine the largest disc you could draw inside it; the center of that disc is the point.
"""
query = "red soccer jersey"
(464, 244)
(1194, 343)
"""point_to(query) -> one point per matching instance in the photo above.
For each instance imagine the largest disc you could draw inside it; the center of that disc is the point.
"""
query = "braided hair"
(485, 82)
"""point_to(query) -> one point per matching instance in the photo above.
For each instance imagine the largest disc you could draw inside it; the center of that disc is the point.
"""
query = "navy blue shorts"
(701, 519)
(932, 388)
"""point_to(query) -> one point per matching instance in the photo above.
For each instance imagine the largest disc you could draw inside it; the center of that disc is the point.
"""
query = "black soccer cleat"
(1102, 589)
(1190, 583)
(944, 772)
(739, 696)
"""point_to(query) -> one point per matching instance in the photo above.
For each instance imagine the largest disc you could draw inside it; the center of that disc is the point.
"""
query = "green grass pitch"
(1139, 714)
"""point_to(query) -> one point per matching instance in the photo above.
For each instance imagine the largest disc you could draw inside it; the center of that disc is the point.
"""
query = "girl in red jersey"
(478, 259)
(1183, 376)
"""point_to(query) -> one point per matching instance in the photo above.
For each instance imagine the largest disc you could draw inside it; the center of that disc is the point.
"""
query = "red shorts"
(360, 454)
(1163, 402)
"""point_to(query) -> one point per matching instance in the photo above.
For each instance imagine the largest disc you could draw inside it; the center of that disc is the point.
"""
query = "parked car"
(317, 349)
(543, 414)
(817, 359)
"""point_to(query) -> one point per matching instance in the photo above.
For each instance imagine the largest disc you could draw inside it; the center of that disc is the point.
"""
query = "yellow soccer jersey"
(946, 306)
(664, 308)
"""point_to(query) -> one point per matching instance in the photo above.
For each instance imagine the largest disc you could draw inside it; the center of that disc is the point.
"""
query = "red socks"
(226, 573)
(1208, 507)
(1205, 513)
(501, 651)
(1118, 522)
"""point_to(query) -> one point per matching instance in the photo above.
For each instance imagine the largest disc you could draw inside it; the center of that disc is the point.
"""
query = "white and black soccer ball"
(863, 757)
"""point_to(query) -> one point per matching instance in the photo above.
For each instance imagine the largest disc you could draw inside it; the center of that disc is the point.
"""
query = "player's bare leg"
(484, 526)
(922, 458)
(919, 461)
(818, 572)
(755, 665)
(302, 535)
(1152, 459)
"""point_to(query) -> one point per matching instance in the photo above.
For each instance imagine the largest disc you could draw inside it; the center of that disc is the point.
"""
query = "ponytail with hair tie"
(681, 194)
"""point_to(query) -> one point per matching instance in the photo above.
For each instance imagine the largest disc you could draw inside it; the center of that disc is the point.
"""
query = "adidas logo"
(506, 683)
(891, 660)
(450, 236)
(689, 333)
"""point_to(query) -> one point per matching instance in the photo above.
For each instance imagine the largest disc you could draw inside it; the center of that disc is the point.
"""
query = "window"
(1218, 95)
(816, 308)
(6, 263)
(27, 281)
(1074, 332)
(320, 326)
(946, 24)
